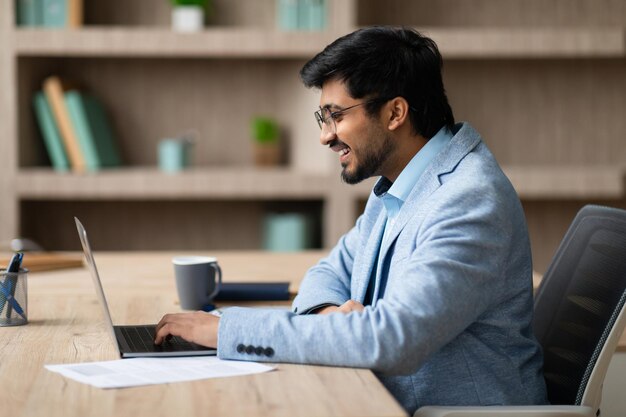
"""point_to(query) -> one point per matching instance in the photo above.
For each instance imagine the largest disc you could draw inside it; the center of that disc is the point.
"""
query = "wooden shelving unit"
(559, 182)
(544, 86)
(568, 182)
(505, 43)
(150, 183)
(155, 42)
(455, 43)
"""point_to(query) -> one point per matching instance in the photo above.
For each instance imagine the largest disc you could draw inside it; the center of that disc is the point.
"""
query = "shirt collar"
(401, 188)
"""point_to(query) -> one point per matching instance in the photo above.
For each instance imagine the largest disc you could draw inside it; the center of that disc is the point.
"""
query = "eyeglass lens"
(325, 120)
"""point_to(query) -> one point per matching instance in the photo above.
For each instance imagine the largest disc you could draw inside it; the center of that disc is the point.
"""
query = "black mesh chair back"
(579, 301)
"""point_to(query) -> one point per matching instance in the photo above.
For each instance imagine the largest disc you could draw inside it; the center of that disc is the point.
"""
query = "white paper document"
(148, 371)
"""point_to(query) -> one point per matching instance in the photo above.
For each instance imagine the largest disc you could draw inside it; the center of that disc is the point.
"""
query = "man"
(432, 287)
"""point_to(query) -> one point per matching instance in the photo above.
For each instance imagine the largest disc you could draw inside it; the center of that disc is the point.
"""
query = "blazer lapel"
(423, 188)
(368, 259)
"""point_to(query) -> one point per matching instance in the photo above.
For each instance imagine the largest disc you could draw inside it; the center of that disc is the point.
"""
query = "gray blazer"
(450, 323)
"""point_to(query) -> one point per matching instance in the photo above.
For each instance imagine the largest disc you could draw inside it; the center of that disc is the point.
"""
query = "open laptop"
(136, 341)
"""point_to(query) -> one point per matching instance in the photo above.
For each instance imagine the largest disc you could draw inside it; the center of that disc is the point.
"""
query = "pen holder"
(13, 298)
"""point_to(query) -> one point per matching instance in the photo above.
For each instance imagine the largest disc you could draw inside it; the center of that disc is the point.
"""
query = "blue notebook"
(253, 291)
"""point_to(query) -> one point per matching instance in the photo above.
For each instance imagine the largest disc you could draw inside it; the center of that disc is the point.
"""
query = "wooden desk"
(66, 326)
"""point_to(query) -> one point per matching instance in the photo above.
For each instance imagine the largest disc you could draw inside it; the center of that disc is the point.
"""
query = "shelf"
(150, 183)
(528, 43)
(163, 43)
(560, 182)
(258, 43)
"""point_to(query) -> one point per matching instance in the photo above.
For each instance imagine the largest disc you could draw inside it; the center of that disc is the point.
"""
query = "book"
(301, 14)
(61, 13)
(53, 88)
(312, 14)
(253, 291)
(287, 14)
(50, 133)
(54, 13)
(93, 130)
(28, 12)
(75, 13)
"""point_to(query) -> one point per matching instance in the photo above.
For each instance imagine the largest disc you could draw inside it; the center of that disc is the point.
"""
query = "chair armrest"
(507, 411)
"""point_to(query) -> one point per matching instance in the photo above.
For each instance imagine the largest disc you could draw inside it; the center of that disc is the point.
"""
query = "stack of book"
(49, 13)
(74, 128)
(301, 14)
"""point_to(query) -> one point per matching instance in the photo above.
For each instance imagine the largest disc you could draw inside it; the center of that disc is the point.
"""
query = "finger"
(356, 306)
(169, 329)
(350, 306)
(158, 335)
(166, 318)
(347, 306)
(344, 309)
(171, 318)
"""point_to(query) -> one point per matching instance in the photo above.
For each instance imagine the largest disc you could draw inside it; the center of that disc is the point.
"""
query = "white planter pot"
(187, 18)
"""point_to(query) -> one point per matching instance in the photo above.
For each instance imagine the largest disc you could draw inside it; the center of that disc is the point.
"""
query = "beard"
(370, 159)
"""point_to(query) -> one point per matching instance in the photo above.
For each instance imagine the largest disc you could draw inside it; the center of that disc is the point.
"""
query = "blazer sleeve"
(328, 282)
(451, 278)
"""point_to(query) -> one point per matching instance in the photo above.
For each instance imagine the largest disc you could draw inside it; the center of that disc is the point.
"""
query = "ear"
(398, 113)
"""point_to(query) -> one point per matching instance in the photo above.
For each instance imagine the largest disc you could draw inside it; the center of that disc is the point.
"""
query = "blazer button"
(269, 352)
(258, 350)
(249, 349)
(240, 348)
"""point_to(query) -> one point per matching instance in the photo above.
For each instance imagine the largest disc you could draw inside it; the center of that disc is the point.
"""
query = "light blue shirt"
(393, 195)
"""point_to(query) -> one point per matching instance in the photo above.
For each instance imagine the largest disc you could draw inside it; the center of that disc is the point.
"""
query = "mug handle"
(218, 283)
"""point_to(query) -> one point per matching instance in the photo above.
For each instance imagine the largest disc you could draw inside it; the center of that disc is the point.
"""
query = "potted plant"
(266, 135)
(189, 15)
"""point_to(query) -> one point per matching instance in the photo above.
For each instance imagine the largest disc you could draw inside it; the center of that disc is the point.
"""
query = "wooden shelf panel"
(560, 182)
(564, 182)
(150, 183)
(474, 43)
(148, 42)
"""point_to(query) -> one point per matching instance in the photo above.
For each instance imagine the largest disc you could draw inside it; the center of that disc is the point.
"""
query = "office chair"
(579, 316)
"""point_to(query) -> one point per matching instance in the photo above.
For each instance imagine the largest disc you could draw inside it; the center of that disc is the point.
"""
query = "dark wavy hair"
(387, 62)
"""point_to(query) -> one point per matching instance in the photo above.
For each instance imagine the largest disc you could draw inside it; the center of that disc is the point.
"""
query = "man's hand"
(347, 307)
(198, 327)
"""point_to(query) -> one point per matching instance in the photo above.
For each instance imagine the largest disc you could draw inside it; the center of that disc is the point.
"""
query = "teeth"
(343, 151)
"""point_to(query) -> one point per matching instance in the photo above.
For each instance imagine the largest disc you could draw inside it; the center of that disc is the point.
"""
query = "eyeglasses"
(326, 118)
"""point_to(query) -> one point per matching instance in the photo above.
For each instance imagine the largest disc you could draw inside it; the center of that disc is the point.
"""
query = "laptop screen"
(91, 263)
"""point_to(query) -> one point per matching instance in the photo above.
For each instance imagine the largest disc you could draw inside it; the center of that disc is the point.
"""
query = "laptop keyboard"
(141, 339)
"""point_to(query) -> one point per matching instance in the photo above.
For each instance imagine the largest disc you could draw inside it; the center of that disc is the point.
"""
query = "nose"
(327, 136)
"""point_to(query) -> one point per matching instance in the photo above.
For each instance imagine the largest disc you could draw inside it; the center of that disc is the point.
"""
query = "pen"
(14, 267)
(16, 262)
(13, 304)
(13, 263)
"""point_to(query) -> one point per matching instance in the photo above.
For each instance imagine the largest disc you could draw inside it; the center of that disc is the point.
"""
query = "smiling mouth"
(344, 155)
(342, 149)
